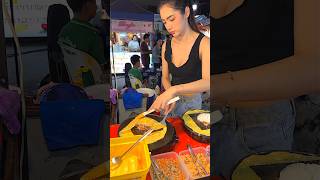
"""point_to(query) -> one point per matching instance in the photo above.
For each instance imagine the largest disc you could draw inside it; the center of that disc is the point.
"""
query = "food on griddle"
(299, 171)
(204, 118)
(171, 168)
(139, 126)
(140, 129)
(193, 167)
(197, 124)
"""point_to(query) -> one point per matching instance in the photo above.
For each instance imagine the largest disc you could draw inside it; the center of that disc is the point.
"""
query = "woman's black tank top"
(256, 33)
(191, 70)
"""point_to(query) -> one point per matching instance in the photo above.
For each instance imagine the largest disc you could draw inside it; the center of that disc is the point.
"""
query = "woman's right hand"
(161, 102)
(169, 108)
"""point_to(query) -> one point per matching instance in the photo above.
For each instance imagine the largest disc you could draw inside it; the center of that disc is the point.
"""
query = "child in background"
(135, 71)
(73, 33)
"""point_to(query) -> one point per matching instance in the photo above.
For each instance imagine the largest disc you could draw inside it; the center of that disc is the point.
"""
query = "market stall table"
(181, 145)
(184, 138)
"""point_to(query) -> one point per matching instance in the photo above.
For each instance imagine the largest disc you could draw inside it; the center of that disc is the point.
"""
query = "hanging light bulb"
(194, 7)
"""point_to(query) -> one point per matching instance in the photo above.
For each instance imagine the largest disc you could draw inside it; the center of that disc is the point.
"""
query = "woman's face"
(174, 21)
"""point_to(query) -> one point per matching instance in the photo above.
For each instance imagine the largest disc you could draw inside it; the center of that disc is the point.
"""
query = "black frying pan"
(194, 135)
(165, 144)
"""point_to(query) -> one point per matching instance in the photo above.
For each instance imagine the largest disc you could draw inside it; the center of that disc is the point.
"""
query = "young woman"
(186, 57)
(261, 61)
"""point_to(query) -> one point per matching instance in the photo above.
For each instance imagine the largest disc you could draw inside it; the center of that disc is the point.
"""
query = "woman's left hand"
(161, 103)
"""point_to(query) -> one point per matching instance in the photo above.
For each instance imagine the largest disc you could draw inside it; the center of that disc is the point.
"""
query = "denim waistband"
(191, 97)
(258, 116)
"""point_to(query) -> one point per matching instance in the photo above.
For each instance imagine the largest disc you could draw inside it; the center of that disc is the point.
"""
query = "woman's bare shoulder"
(205, 42)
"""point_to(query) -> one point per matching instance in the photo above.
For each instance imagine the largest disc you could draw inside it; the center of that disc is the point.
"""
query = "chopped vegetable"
(171, 168)
(194, 168)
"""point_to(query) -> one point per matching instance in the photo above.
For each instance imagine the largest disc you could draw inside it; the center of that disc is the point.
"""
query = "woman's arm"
(203, 84)
(290, 77)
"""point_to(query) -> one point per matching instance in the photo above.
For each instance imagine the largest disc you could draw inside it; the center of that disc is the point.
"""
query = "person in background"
(127, 68)
(56, 21)
(82, 35)
(133, 45)
(156, 54)
(135, 70)
(145, 52)
(205, 29)
(139, 40)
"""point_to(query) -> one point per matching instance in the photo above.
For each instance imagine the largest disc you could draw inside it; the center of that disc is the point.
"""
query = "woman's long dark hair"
(181, 6)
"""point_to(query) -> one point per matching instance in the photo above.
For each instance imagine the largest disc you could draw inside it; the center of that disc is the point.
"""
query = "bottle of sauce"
(87, 76)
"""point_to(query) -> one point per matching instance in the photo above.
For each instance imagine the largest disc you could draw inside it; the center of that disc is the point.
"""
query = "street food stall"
(168, 146)
(176, 147)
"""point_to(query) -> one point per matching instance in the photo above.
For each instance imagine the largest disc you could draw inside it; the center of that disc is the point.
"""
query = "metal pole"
(15, 46)
(3, 57)
(3, 82)
(113, 67)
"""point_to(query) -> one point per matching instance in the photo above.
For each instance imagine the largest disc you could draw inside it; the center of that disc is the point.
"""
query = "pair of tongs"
(196, 160)
(152, 110)
(159, 174)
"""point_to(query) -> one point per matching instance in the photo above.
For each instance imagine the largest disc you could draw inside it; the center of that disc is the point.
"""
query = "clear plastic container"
(171, 155)
(189, 164)
(208, 150)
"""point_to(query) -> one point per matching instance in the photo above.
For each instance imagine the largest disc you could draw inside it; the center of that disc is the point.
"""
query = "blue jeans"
(243, 132)
(186, 103)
